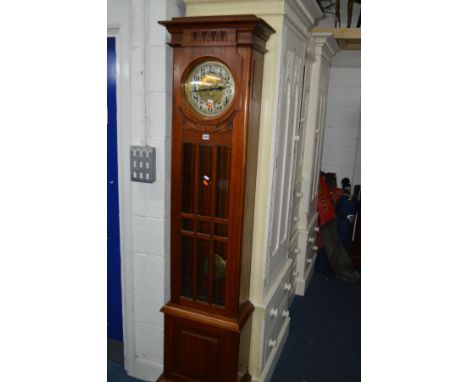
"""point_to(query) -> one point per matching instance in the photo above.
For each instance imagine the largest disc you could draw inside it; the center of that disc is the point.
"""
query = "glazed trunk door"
(205, 186)
(284, 165)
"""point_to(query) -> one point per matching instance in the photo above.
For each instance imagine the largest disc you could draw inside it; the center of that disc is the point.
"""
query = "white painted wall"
(341, 148)
(144, 94)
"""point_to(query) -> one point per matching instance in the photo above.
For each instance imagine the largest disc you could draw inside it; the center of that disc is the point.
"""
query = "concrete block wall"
(341, 147)
(146, 215)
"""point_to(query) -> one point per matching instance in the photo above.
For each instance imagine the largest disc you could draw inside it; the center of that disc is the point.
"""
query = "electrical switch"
(143, 161)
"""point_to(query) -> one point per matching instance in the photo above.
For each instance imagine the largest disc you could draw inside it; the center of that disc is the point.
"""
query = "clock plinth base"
(205, 348)
(246, 378)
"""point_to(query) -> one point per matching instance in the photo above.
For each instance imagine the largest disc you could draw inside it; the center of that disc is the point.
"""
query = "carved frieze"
(220, 127)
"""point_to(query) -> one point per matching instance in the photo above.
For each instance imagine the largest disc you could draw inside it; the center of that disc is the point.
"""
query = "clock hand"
(208, 89)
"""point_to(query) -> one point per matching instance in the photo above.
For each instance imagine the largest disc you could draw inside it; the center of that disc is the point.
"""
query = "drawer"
(297, 193)
(293, 281)
(294, 220)
(308, 259)
(283, 290)
(311, 238)
(294, 246)
(311, 244)
(296, 203)
(271, 340)
(312, 221)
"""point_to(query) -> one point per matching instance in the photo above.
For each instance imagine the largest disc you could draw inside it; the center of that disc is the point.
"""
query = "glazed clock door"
(205, 181)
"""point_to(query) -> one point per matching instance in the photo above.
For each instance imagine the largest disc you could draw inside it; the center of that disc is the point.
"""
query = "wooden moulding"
(221, 322)
(347, 38)
(181, 28)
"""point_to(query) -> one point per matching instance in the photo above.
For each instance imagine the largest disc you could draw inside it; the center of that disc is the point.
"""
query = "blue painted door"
(114, 293)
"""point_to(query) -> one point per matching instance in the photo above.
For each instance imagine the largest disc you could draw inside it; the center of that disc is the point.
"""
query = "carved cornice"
(302, 14)
(347, 38)
(310, 53)
(230, 30)
(325, 45)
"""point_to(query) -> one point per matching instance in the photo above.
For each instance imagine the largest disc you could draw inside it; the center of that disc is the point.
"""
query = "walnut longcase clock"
(217, 82)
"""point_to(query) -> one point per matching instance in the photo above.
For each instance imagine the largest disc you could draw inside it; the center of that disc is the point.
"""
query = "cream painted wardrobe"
(291, 132)
(310, 145)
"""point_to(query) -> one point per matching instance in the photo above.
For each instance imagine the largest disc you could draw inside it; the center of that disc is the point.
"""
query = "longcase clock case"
(214, 162)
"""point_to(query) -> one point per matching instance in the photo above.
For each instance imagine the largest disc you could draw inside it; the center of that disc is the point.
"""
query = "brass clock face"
(210, 88)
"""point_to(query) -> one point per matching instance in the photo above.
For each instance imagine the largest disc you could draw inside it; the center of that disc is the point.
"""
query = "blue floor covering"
(116, 373)
(324, 342)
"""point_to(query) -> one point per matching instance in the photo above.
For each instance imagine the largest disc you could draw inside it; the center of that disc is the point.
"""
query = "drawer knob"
(272, 343)
(311, 239)
(309, 261)
(287, 287)
(315, 248)
(273, 312)
(285, 313)
(316, 229)
(299, 194)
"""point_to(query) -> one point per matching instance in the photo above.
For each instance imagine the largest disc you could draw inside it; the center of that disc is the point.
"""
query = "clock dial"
(210, 88)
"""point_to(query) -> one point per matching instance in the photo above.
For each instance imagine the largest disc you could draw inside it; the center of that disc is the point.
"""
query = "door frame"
(121, 34)
(118, 179)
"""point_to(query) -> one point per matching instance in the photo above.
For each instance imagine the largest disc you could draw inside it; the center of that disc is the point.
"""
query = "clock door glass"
(204, 221)
(210, 88)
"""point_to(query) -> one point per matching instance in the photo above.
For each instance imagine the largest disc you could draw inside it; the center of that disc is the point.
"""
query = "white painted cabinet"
(303, 235)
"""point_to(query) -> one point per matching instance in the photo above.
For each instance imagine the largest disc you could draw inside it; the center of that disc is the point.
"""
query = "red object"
(319, 241)
(325, 206)
(336, 193)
